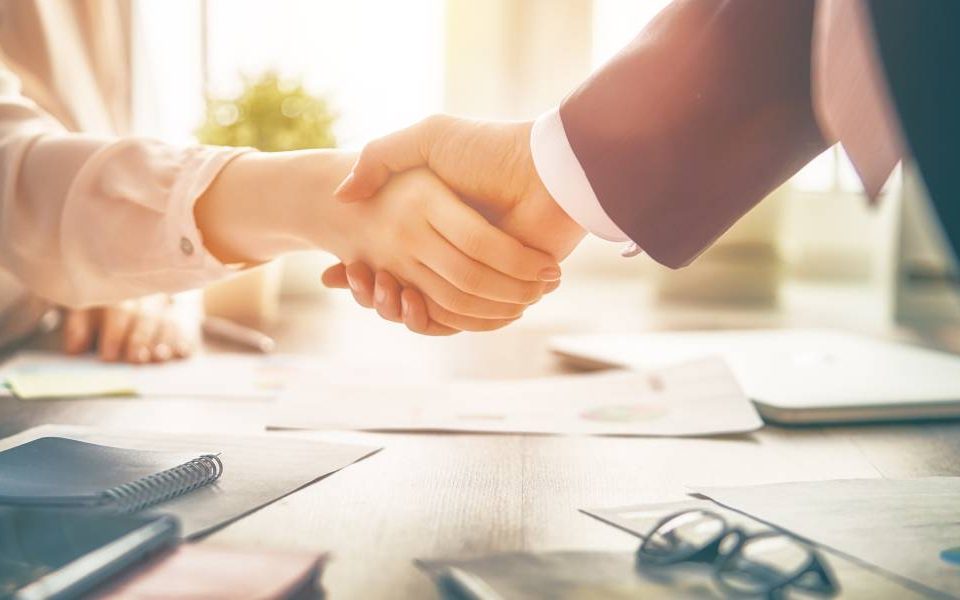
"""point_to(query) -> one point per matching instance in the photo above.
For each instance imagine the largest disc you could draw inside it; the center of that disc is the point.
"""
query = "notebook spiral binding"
(160, 487)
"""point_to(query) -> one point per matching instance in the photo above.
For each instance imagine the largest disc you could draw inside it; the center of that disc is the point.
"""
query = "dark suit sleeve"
(919, 45)
(704, 114)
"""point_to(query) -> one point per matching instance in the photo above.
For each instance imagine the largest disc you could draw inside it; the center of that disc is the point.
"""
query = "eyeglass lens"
(744, 564)
(682, 535)
(763, 563)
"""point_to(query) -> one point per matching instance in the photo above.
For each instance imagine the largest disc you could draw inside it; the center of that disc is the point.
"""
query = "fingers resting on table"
(138, 331)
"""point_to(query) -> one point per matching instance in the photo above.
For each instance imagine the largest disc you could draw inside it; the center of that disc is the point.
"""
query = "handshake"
(476, 238)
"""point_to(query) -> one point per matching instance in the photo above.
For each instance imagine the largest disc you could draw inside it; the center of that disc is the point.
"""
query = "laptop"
(796, 376)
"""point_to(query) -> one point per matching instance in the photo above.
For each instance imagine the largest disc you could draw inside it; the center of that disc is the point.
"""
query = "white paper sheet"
(695, 399)
(212, 376)
(257, 469)
(902, 526)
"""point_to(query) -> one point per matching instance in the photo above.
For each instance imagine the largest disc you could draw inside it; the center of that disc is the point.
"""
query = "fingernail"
(549, 274)
(162, 352)
(404, 308)
(379, 294)
(351, 282)
(344, 184)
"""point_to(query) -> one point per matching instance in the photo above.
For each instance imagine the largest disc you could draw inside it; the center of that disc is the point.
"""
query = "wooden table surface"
(455, 495)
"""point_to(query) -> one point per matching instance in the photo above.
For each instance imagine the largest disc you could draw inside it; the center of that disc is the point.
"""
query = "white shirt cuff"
(565, 179)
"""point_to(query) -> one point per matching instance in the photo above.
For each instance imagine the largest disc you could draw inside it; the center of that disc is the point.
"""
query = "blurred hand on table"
(137, 331)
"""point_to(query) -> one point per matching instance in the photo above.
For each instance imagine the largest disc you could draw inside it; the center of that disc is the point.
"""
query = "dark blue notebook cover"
(64, 472)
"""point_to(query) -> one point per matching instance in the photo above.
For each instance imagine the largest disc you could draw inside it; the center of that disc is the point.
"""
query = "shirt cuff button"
(186, 246)
(630, 250)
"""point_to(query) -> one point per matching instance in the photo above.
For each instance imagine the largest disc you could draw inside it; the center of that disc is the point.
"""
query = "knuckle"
(416, 328)
(434, 121)
(370, 150)
(399, 237)
(515, 311)
(530, 293)
(432, 130)
(472, 279)
(434, 312)
(522, 264)
(459, 302)
(423, 204)
(453, 312)
(442, 316)
(362, 300)
(472, 243)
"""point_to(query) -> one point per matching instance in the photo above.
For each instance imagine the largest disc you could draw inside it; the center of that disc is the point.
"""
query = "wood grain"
(445, 495)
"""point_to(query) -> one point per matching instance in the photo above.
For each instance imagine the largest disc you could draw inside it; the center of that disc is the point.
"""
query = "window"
(379, 62)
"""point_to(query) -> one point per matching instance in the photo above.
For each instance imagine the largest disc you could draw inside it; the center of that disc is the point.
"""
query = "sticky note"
(69, 384)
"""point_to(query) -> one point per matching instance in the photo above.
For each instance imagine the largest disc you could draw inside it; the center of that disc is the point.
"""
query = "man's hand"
(487, 163)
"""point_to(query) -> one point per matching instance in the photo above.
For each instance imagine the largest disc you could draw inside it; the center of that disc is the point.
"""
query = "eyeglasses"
(762, 564)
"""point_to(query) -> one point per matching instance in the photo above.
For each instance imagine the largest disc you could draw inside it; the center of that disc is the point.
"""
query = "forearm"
(89, 221)
(265, 204)
(691, 125)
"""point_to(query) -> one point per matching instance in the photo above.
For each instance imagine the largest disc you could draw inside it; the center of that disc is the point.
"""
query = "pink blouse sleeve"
(87, 220)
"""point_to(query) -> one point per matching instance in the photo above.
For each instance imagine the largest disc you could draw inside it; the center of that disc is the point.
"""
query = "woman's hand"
(472, 275)
(137, 331)
(392, 301)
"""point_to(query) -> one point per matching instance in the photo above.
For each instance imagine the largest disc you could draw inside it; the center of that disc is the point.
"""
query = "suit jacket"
(711, 108)
(919, 44)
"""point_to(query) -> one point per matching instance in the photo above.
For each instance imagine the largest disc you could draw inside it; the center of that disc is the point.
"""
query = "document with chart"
(694, 399)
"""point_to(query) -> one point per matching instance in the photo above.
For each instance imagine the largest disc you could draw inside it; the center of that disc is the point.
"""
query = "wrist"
(263, 204)
(310, 215)
(565, 232)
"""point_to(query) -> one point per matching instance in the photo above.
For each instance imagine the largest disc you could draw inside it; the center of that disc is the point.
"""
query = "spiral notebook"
(55, 471)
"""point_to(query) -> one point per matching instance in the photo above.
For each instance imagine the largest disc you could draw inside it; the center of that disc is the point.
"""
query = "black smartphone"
(48, 553)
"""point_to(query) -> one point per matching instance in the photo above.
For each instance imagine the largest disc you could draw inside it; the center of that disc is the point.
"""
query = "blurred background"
(351, 71)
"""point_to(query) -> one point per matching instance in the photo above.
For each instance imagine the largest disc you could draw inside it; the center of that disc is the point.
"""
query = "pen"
(228, 331)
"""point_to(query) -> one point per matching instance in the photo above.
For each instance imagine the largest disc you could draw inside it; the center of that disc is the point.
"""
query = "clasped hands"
(500, 236)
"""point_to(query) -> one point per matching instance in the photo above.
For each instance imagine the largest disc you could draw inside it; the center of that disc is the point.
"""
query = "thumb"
(381, 158)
